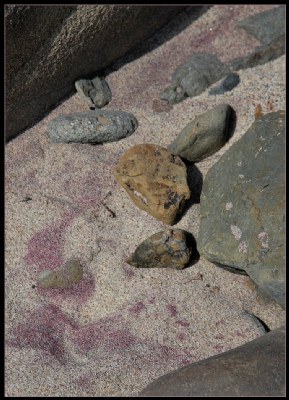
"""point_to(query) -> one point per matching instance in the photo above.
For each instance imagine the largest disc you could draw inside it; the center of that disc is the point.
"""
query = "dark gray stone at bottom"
(256, 368)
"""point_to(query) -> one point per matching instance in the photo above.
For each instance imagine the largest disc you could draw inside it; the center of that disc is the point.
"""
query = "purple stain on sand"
(45, 247)
(137, 308)
(44, 330)
(128, 271)
(183, 322)
(172, 310)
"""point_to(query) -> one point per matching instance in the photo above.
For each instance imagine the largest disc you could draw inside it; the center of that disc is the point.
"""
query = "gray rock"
(194, 77)
(256, 368)
(205, 135)
(227, 84)
(95, 92)
(266, 26)
(173, 248)
(92, 127)
(243, 206)
(63, 278)
(49, 47)
(261, 55)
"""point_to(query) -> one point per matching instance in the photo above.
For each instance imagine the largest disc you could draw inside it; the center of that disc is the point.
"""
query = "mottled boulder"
(49, 47)
(155, 180)
(205, 135)
(91, 127)
(194, 77)
(63, 278)
(95, 92)
(256, 368)
(243, 206)
(227, 84)
(172, 248)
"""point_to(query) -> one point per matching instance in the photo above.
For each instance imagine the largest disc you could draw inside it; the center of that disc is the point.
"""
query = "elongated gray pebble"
(64, 278)
(95, 92)
(92, 127)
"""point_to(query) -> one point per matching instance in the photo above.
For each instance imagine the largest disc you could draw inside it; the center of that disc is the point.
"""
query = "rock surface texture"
(172, 248)
(155, 180)
(92, 127)
(205, 135)
(255, 369)
(227, 84)
(243, 206)
(193, 77)
(63, 278)
(95, 92)
(49, 47)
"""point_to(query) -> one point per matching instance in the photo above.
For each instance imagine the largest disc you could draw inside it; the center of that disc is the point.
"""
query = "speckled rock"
(205, 135)
(155, 180)
(64, 278)
(243, 206)
(92, 127)
(227, 84)
(172, 248)
(95, 92)
(194, 77)
(256, 368)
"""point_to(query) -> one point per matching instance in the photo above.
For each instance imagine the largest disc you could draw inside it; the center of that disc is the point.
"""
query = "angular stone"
(205, 135)
(155, 180)
(172, 248)
(92, 127)
(95, 92)
(194, 77)
(64, 278)
(227, 84)
(266, 26)
(256, 368)
(243, 206)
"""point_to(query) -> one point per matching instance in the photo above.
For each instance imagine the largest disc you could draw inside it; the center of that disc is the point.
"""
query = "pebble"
(64, 278)
(171, 248)
(92, 127)
(155, 180)
(95, 92)
(205, 135)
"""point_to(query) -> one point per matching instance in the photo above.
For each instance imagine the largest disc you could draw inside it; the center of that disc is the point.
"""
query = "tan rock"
(155, 179)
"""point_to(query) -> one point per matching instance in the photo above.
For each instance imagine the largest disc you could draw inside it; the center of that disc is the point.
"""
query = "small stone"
(65, 278)
(95, 92)
(171, 248)
(92, 127)
(205, 135)
(155, 180)
(194, 77)
(231, 81)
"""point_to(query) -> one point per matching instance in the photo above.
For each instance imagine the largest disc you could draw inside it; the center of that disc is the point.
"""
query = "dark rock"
(95, 92)
(92, 127)
(155, 180)
(243, 206)
(172, 248)
(256, 368)
(261, 55)
(266, 26)
(231, 81)
(63, 278)
(49, 47)
(205, 135)
(194, 77)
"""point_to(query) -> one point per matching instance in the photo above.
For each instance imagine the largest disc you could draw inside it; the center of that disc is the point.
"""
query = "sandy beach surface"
(122, 327)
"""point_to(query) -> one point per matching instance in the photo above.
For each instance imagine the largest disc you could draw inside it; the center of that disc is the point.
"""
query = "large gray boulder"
(49, 47)
(255, 369)
(243, 207)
